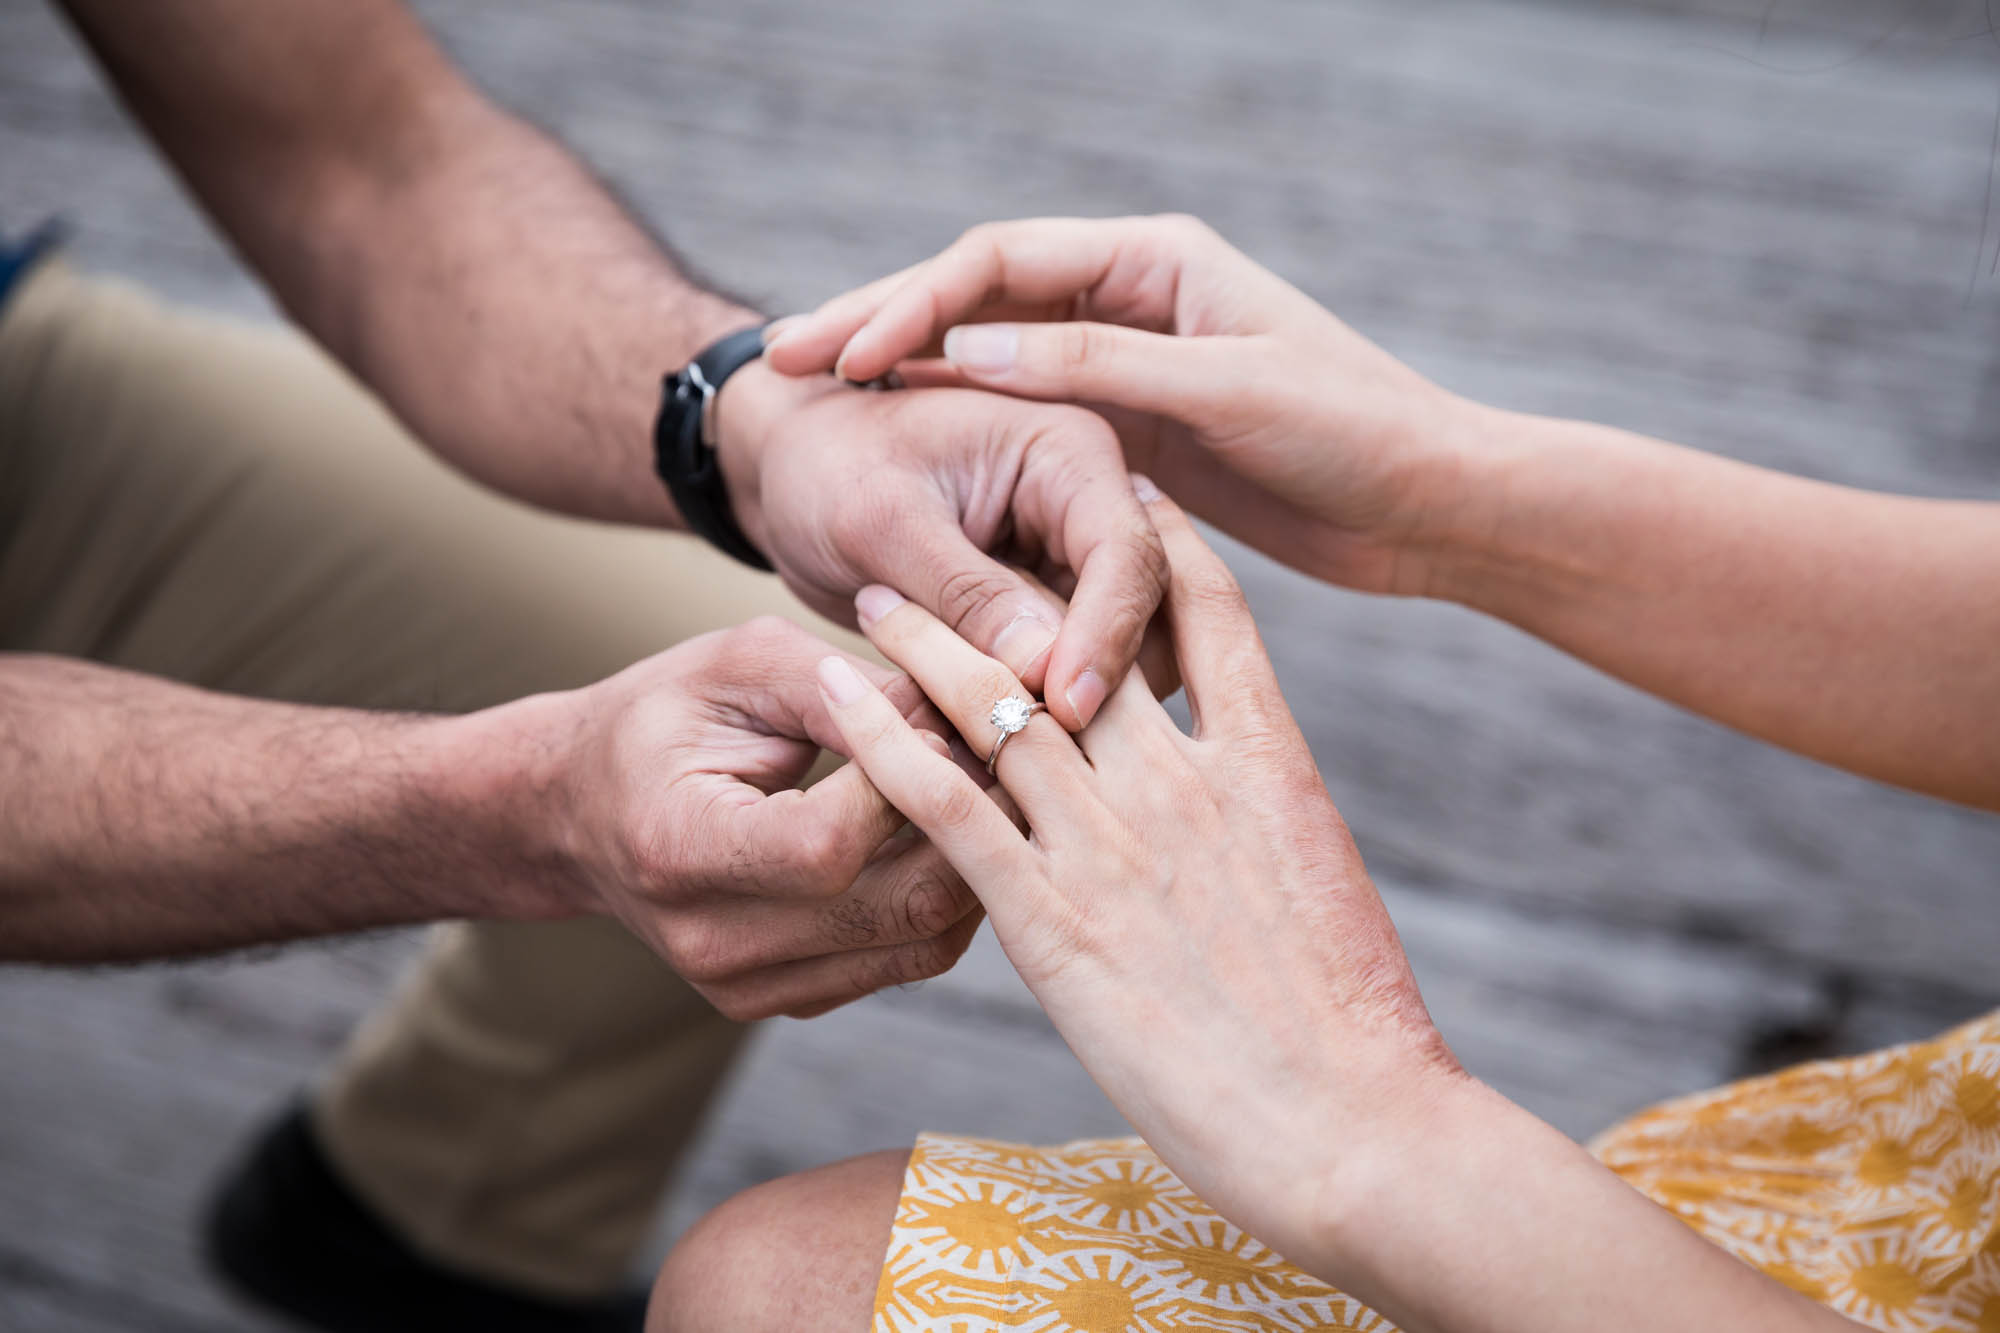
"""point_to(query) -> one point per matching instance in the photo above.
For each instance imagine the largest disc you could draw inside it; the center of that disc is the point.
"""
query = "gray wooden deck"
(1650, 213)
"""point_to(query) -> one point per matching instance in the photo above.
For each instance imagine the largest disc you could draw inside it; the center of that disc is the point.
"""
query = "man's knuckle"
(931, 904)
(768, 633)
(964, 593)
(819, 857)
(872, 971)
(919, 961)
(703, 954)
(852, 924)
(704, 647)
(753, 1003)
(659, 860)
(1075, 441)
(1148, 576)
(1214, 593)
(1149, 551)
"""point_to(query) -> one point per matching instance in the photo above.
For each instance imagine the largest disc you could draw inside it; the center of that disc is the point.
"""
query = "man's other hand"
(936, 492)
(667, 796)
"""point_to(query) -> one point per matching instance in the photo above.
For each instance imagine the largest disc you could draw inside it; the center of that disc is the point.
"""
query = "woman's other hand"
(1238, 393)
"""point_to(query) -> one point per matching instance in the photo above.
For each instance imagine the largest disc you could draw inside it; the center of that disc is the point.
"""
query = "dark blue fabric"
(17, 257)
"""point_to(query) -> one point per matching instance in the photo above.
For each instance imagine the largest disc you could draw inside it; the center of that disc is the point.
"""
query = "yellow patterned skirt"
(1871, 1184)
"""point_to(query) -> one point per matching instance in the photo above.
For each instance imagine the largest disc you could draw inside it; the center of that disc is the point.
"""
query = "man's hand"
(140, 818)
(935, 492)
(666, 795)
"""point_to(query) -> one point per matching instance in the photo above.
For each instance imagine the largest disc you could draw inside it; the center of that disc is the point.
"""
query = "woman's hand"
(1234, 390)
(1194, 917)
(1190, 910)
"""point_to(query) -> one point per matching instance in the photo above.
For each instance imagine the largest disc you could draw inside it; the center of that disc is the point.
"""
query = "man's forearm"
(139, 818)
(1858, 628)
(466, 266)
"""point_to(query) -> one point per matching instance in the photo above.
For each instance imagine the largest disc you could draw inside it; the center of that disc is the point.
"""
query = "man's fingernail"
(875, 601)
(1026, 637)
(843, 684)
(983, 346)
(1143, 487)
(778, 329)
(1086, 694)
(937, 743)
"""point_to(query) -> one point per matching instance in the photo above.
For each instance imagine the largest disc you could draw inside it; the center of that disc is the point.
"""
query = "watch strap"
(682, 454)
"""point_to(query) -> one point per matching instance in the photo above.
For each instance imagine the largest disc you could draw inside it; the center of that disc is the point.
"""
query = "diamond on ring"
(1009, 715)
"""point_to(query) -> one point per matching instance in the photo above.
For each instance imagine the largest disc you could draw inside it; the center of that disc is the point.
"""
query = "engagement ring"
(1009, 715)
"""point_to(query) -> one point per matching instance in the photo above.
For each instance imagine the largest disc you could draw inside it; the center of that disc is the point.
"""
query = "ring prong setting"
(1009, 715)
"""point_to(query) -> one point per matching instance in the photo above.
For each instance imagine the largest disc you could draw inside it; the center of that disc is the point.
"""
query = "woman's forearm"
(1469, 1215)
(1858, 628)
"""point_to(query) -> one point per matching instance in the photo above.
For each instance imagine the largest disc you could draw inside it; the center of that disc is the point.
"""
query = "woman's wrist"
(1305, 1171)
(1543, 505)
(1359, 1167)
(1458, 493)
(1405, 522)
(1467, 1211)
(1386, 1160)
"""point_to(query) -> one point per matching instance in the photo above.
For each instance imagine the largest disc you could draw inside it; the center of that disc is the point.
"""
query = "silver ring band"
(1009, 716)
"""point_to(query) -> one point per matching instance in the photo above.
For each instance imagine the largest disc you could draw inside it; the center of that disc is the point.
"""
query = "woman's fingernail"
(937, 743)
(1085, 694)
(1026, 637)
(875, 601)
(779, 329)
(843, 684)
(1143, 487)
(983, 346)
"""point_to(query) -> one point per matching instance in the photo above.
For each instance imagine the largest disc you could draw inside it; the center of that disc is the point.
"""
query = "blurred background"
(1752, 226)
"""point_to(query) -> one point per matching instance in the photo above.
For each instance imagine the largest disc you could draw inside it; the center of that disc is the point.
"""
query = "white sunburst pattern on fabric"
(1091, 1237)
(1885, 1282)
(1871, 1184)
(1968, 1080)
(1974, 1300)
(1895, 1161)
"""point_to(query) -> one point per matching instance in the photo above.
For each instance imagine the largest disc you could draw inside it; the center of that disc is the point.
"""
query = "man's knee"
(803, 1251)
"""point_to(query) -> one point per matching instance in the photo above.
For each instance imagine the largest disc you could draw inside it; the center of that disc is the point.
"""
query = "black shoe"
(288, 1232)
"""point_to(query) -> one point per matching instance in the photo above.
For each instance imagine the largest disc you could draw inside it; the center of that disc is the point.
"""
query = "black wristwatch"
(685, 458)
